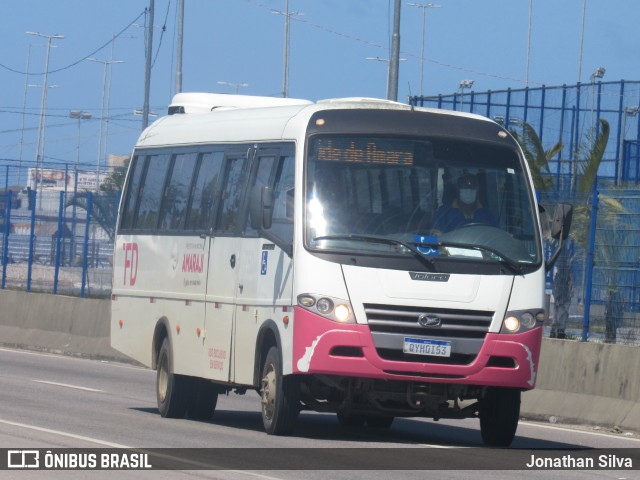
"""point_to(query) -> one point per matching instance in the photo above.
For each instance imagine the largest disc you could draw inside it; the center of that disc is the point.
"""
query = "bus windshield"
(440, 198)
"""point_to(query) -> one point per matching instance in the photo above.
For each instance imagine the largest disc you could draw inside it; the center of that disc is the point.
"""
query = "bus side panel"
(160, 280)
(266, 276)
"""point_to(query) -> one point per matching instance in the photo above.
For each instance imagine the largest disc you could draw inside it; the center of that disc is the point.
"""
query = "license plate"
(423, 346)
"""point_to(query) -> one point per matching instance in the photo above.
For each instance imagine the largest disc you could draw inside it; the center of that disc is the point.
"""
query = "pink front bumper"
(315, 338)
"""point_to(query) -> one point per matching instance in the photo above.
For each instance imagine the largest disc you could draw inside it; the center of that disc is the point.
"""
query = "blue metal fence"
(56, 243)
(565, 114)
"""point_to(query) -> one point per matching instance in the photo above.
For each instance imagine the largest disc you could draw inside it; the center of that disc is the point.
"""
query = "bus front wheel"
(171, 389)
(279, 397)
(499, 414)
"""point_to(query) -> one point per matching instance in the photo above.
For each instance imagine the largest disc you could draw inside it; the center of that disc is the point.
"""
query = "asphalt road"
(49, 401)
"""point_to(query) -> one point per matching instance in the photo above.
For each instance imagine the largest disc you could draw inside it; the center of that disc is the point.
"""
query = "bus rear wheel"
(171, 389)
(499, 414)
(279, 396)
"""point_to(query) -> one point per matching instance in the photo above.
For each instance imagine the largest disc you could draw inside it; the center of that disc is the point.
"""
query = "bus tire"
(171, 389)
(203, 399)
(279, 396)
(499, 415)
(379, 421)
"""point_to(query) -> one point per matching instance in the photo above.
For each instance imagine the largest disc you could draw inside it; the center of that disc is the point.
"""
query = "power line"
(113, 38)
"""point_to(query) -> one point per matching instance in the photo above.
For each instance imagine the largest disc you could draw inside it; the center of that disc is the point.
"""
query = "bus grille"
(465, 329)
(405, 320)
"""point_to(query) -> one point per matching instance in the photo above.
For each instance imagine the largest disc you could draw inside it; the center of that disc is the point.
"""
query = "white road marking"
(64, 434)
(77, 387)
(118, 445)
(576, 430)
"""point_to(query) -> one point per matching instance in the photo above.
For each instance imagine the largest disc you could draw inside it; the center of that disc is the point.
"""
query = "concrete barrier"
(586, 383)
(58, 324)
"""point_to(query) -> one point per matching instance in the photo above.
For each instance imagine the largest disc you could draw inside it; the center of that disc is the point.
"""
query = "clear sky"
(241, 41)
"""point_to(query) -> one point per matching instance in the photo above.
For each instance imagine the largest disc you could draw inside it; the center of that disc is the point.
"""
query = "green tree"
(115, 181)
(537, 157)
(610, 211)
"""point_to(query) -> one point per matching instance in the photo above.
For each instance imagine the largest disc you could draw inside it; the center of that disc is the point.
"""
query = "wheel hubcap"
(269, 392)
(163, 381)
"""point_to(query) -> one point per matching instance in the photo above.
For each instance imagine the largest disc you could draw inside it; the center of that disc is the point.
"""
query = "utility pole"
(147, 68)
(394, 64)
(43, 111)
(179, 46)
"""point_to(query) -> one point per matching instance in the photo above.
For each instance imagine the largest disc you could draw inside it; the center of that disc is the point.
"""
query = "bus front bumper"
(322, 346)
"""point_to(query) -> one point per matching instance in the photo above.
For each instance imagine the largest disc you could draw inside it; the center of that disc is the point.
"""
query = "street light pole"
(179, 46)
(24, 107)
(285, 62)
(597, 73)
(464, 84)
(424, 7)
(584, 14)
(80, 115)
(386, 60)
(233, 84)
(105, 63)
(526, 75)
(43, 110)
(147, 67)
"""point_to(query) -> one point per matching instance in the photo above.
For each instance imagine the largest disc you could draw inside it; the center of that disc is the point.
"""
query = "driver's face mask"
(468, 195)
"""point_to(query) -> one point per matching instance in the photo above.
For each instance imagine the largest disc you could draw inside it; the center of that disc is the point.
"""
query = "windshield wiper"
(373, 239)
(514, 266)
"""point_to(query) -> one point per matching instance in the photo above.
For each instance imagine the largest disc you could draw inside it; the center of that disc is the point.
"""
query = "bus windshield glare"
(444, 198)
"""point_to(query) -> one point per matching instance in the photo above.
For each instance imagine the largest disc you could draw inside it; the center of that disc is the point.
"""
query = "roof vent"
(206, 102)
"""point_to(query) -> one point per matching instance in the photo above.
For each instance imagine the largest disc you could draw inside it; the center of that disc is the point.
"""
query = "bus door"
(222, 283)
(265, 275)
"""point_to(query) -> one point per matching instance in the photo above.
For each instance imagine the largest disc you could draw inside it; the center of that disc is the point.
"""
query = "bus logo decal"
(263, 264)
(130, 262)
(430, 277)
(427, 320)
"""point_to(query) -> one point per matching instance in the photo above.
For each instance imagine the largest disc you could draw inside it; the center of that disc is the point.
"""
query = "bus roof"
(201, 118)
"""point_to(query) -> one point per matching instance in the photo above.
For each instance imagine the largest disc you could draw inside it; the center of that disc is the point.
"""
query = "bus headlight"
(342, 313)
(324, 306)
(334, 309)
(519, 321)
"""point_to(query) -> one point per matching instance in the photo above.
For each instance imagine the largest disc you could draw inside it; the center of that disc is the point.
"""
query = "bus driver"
(464, 210)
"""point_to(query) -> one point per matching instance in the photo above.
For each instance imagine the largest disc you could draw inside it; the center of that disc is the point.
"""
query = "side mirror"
(561, 223)
(261, 208)
(560, 227)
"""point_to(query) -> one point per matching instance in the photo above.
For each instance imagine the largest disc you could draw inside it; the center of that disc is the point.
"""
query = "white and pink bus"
(354, 256)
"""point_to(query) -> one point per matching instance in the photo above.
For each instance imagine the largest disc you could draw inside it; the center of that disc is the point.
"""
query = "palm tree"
(583, 185)
(537, 157)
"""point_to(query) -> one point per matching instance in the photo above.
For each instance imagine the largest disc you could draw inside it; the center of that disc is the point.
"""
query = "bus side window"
(131, 195)
(174, 202)
(282, 225)
(232, 195)
(152, 189)
(205, 193)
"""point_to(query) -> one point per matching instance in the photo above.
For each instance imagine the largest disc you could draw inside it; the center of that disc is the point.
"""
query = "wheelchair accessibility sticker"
(263, 265)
